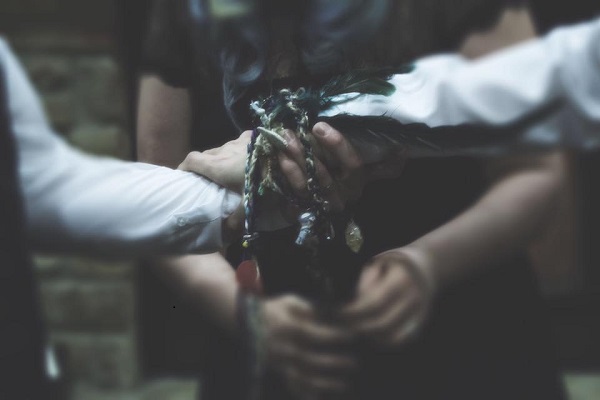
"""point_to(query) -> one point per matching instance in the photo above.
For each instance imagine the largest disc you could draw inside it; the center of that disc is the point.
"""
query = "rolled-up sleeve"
(94, 205)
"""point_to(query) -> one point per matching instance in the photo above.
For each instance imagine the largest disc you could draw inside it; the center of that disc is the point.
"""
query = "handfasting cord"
(294, 111)
(278, 113)
(250, 192)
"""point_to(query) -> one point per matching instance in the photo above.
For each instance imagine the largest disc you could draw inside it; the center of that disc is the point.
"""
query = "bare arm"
(293, 335)
(507, 218)
(522, 197)
(504, 220)
(164, 129)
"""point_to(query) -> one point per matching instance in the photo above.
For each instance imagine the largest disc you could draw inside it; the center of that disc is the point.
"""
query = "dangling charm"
(354, 238)
(307, 221)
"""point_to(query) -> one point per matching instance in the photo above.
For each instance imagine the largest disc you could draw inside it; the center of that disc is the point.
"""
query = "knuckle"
(193, 156)
(246, 134)
(353, 161)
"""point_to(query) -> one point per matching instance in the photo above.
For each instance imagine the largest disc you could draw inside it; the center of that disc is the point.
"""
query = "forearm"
(81, 203)
(504, 220)
(503, 88)
(208, 282)
(164, 126)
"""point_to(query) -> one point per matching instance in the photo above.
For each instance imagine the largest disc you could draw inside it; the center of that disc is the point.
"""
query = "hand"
(394, 296)
(224, 165)
(308, 353)
(340, 170)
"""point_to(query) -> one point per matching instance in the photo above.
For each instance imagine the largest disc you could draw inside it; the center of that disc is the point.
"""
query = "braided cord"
(250, 189)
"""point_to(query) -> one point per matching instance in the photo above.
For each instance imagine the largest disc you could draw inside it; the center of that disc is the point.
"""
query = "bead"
(307, 220)
(354, 238)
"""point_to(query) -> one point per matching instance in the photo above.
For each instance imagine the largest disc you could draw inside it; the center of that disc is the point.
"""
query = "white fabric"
(81, 203)
(503, 87)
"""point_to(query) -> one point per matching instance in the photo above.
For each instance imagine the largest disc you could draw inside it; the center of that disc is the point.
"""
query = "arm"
(503, 87)
(207, 279)
(77, 202)
(517, 206)
(163, 138)
(505, 219)
(397, 287)
(293, 335)
(523, 195)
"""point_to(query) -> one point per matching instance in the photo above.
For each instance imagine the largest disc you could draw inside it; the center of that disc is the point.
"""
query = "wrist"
(421, 266)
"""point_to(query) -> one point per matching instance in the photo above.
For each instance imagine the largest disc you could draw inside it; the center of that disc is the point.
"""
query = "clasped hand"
(395, 290)
(316, 357)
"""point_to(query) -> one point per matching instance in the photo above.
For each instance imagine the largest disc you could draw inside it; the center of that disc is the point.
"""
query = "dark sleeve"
(167, 49)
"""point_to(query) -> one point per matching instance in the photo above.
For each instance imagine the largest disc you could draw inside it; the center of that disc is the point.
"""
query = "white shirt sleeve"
(499, 89)
(84, 204)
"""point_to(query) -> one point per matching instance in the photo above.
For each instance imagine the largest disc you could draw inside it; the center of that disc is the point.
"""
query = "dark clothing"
(178, 51)
(21, 333)
(488, 337)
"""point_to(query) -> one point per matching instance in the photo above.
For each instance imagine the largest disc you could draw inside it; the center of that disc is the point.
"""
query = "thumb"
(369, 278)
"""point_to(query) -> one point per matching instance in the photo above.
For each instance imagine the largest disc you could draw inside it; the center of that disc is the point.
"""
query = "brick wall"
(67, 47)
(89, 305)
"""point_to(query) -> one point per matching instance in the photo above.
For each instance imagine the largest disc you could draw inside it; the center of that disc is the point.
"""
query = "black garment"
(21, 333)
(178, 50)
(488, 337)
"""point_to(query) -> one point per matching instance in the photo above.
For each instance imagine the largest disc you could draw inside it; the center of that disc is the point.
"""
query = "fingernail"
(321, 129)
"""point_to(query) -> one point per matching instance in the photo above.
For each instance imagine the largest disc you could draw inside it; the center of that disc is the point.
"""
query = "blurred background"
(117, 331)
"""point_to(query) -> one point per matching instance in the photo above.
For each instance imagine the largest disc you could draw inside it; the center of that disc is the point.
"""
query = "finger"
(312, 386)
(392, 320)
(370, 296)
(327, 364)
(315, 334)
(369, 278)
(294, 149)
(294, 174)
(329, 187)
(245, 136)
(333, 142)
(390, 284)
(305, 328)
(409, 331)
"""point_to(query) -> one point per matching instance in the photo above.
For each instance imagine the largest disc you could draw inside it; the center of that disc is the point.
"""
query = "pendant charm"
(307, 221)
(354, 238)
